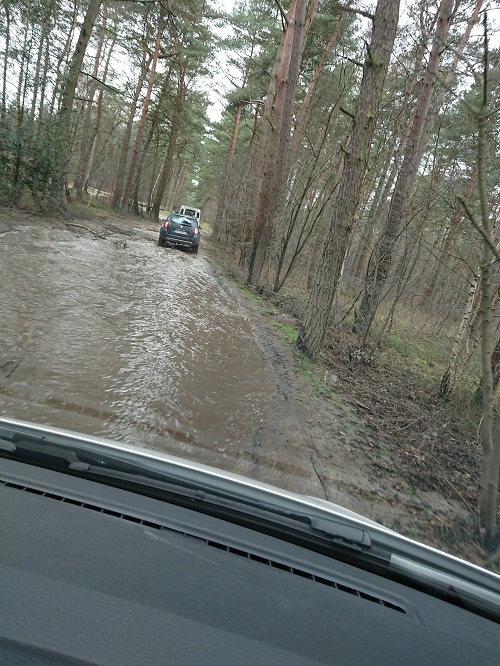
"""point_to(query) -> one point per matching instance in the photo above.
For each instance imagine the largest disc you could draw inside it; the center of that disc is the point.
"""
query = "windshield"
(331, 327)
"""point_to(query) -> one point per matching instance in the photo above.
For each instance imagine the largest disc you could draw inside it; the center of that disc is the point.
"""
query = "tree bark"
(353, 170)
(62, 59)
(43, 86)
(142, 121)
(3, 108)
(281, 121)
(68, 94)
(44, 33)
(488, 496)
(88, 127)
(122, 160)
(449, 238)
(382, 256)
(219, 222)
(305, 107)
(166, 168)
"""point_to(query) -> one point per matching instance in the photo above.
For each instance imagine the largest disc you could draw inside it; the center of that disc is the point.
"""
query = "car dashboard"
(95, 574)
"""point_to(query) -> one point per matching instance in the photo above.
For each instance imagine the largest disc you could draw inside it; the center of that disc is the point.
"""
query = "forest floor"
(360, 431)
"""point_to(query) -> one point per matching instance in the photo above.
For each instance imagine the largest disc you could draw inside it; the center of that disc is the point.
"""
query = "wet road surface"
(137, 343)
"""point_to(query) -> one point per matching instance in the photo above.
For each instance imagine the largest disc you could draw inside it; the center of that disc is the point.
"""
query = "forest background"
(353, 178)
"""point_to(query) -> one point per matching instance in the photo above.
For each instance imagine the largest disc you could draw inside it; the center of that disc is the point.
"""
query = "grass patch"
(248, 294)
(308, 370)
(214, 263)
(290, 332)
(97, 204)
(426, 357)
(245, 291)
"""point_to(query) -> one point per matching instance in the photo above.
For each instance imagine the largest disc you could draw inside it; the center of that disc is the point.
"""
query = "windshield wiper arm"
(329, 529)
(113, 468)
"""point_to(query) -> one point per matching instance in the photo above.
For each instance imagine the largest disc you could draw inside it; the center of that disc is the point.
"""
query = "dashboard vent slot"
(341, 587)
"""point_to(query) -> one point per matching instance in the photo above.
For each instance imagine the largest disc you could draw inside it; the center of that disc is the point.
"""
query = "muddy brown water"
(138, 344)
(144, 345)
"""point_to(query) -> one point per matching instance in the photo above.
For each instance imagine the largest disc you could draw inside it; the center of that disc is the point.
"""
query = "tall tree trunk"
(18, 181)
(449, 239)
(39, 83)
(281, 121)
(488, 497)
(3, 108)
(375, 208)
(353, 170)
(180, 183)
(305, 107)
(142, 121)
(378, 208)
(61, 60)
(219, 222)
(166, 168)
(122, 160)
(38, 65)
(382, 256)
(97, 122)
(43, 86)
(307, 203)
(68, 94)
(88, 126)
(137, 210)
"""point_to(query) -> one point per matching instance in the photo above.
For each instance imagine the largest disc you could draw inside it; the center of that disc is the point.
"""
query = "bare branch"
(355, 62)
(347, 113)
(81, 226)
(478, 227)
(282, 12)
(253, 101)
(353, 10)
(102, 84)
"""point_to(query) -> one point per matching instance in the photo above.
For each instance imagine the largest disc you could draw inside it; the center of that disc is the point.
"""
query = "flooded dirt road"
(151, 346)
(123, 339)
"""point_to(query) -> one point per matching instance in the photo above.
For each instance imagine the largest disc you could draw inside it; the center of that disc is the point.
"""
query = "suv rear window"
(183, 219)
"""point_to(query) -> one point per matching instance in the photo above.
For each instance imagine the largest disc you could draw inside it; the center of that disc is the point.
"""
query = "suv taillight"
(165, 224)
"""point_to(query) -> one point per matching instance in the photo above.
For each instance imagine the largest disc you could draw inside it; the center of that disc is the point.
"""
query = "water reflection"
(136, 344)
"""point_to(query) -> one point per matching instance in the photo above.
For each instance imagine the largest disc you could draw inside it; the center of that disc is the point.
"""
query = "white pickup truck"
(191, 212)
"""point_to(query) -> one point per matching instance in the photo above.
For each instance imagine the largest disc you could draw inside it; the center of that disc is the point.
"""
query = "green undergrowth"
(310, 371)
(425, 355)
(247, 293)
(243, 289)
(290, 332)
(423, 360)
(418, 359)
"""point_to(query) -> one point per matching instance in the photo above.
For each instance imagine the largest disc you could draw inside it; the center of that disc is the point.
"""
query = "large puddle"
(136, 343)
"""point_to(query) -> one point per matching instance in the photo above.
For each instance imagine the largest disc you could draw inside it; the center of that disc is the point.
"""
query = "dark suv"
(180, 230)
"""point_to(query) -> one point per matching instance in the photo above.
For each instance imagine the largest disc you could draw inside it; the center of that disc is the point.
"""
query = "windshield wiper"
(196, 489)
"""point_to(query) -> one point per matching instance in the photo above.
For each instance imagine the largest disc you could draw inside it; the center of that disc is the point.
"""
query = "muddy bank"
(361, 435)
